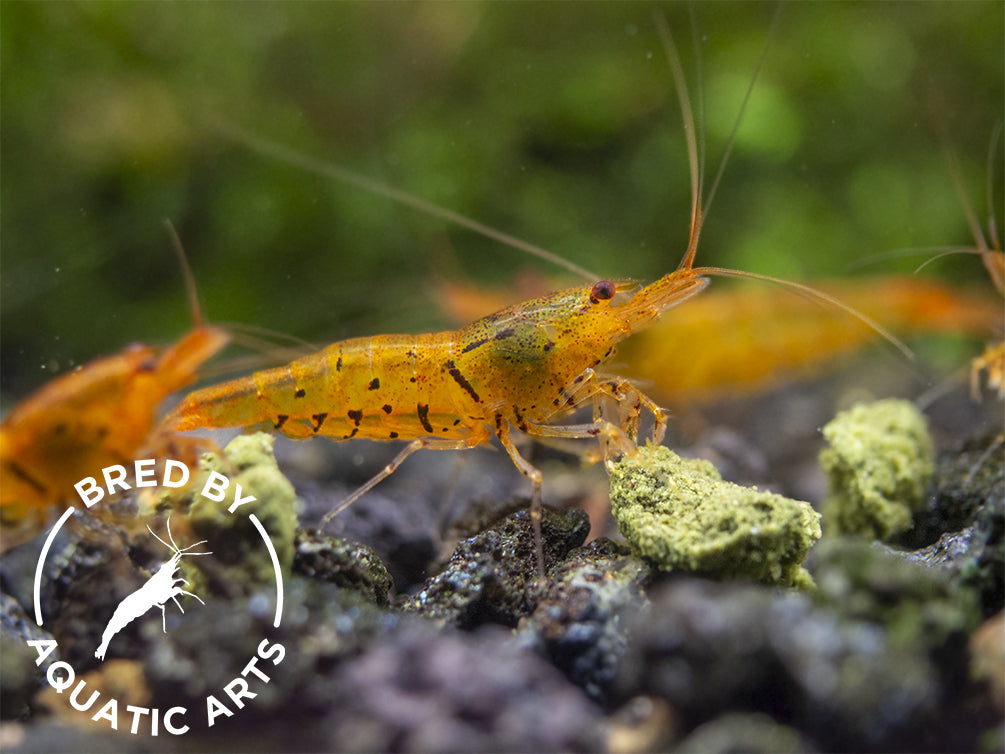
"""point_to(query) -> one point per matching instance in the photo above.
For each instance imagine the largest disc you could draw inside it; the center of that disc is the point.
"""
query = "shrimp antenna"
(982, 245)
(731, 141)
(344, 175)
(956, 173)
(700, 206)
(695, 148)
(693, 157)
(945, 253)
(988, 247)
(808, 291)
(186, 270)
(990, 190)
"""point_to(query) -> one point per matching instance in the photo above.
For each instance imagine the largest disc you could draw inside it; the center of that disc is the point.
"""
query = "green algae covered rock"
(680, 514)
(878, 465)
(249, 466)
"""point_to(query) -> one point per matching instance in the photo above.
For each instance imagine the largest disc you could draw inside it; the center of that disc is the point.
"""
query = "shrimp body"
(387, 387)
(522, 365)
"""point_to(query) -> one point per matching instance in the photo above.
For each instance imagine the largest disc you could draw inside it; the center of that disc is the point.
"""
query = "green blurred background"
(555, 122)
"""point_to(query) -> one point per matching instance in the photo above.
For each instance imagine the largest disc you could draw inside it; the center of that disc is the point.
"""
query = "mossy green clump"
(679, 513)
(878, 465)
(233, 538)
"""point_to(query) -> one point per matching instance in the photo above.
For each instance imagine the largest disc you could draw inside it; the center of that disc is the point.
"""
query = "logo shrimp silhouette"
(164, 585)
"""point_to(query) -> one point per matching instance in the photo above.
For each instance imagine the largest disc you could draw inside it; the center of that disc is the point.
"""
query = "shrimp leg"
(623, 433)
(419, 444)
(630, 402)
(536, 479)
(600, 428)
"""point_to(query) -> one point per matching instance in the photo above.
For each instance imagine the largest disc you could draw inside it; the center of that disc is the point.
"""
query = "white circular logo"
(159, 592)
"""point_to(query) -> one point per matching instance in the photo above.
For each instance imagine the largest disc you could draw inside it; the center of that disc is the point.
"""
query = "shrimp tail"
(230, 404)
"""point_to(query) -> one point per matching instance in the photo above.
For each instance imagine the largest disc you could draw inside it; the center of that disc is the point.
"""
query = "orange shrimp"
(98, 415)
(522, 368)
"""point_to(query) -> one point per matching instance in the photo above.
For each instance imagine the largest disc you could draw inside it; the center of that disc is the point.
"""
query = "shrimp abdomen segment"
(389, 387)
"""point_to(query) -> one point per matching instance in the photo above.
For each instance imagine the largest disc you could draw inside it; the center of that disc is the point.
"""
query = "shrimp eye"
(602, 291)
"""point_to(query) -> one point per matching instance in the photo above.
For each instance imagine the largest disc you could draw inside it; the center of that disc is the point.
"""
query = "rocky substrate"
(883, 648)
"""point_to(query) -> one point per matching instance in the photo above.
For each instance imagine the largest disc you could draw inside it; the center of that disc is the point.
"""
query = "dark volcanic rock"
(711, 648)
(962, 529)
(579, 623)
(974, 556)
(210, 647)
(401, 532)
(918, 605)
(967, 476)
(322, 557)
(492, 577)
